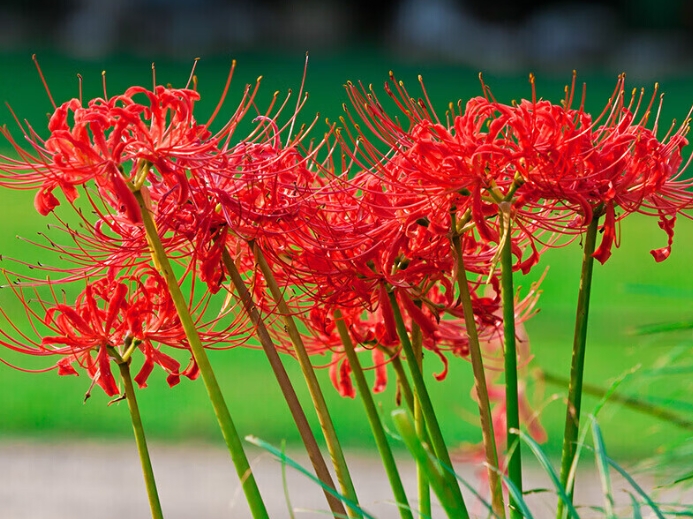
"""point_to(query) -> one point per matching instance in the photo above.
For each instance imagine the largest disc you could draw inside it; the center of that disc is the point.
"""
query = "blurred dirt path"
(103, 481)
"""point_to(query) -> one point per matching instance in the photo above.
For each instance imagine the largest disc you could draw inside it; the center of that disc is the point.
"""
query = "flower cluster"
(345, 241)
(142, 151)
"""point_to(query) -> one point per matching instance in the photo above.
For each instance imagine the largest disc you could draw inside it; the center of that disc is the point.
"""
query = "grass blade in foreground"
(637, 514)
(473, 491)
(603, 468)
(283, 458)
(517, 497)
(653, 506)
(546, 465)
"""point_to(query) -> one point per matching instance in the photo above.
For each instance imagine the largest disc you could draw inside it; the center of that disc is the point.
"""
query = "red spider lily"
(263, 185)
(359, 239)
(129, 311)
(359, 246)
(150, 141)
(567, 161)
(105, 141)
(463, 168)
(553, 164)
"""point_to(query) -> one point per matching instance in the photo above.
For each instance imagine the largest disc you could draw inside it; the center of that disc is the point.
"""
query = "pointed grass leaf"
(669, 370)
(637, 514)
(284, 459)
(517, 496)
(546, 465)
(536, 491)
(583, 434)
(655, 509)
(684, 478)
(285, 485)
(603, 468)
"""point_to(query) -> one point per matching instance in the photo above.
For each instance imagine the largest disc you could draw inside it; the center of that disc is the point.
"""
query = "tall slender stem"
(421, 394)
(228, 428)
(374, 420)
(488, 436)
(513, 446)
(572, 419)
(422, 483)
(140, 440)
(333, 445)
(285, 384)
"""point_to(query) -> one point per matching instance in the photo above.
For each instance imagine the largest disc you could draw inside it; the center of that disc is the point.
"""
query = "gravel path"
(103, 481)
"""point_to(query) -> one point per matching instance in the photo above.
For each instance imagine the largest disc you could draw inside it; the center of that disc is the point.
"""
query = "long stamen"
(43, 80)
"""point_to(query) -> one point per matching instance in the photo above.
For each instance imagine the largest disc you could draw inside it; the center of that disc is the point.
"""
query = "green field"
(630, 290)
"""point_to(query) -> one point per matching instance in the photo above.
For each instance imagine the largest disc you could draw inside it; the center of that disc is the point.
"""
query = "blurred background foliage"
(448, 43)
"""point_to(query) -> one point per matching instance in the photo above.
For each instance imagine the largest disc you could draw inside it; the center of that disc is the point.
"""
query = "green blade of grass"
(684, 478)
(603, 468)
(597, 409)
(297, 466)
(285, 485)
(517, 496)
(546, 465)
(655, 509)
(637, 514)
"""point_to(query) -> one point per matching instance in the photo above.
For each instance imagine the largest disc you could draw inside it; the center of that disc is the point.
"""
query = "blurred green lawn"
(630, 290)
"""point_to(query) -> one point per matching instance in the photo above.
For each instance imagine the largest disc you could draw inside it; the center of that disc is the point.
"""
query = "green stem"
(513, 447)
(435, 473)
(374, 419)
(228, 429)
(572, 420)
(333, 446)
(477, 361)
(422, 483)
(406, 390)
(140, 439)
(285, 384)
(432, 425)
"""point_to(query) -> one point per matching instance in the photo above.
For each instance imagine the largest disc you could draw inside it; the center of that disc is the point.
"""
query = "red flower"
(135, 311)
(555, 166)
